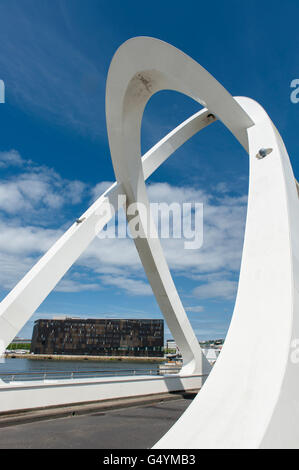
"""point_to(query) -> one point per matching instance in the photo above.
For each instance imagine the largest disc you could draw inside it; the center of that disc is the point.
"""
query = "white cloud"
(99, 189)
(164, 192)
(31, 201)
(18, 240)
(37, 189)
(13, 268)
(222, 187)
(221, 251)
(222, 289)
(211, 265)
(131, 286)
(37, 194)
(71, 285)
(195, 309)
(10, 158)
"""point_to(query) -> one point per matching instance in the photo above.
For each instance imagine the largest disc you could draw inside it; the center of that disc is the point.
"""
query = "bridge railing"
(79, 374)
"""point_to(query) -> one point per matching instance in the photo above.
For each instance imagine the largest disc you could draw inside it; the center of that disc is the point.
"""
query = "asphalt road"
(137, 427)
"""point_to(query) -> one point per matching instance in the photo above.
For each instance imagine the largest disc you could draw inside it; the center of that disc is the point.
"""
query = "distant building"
(170, 344)
(99, 337)
(18, 340)
(211, 354)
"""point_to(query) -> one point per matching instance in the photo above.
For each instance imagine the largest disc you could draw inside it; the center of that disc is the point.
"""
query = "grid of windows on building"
(99, 337)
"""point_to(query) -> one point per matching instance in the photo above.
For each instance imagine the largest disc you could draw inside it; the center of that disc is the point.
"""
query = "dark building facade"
(99, 337)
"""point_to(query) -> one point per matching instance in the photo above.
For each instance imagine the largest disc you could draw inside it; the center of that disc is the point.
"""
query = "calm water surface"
(34, 365)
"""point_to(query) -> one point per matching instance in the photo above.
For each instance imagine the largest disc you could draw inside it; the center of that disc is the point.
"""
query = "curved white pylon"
(250, 398)
(132, 79)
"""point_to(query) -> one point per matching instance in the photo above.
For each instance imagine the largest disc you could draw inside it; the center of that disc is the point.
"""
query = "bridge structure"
(248, 400)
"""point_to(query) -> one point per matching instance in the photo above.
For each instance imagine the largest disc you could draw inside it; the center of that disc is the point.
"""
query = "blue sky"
(54, 154)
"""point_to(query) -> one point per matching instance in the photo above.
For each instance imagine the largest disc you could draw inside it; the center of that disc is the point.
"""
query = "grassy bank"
(14, 346)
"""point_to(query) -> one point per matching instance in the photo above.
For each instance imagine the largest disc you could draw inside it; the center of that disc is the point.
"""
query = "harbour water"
(15, 365)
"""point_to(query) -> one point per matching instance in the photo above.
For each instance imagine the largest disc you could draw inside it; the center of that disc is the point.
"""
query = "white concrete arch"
(249, 399)
(134, 76)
